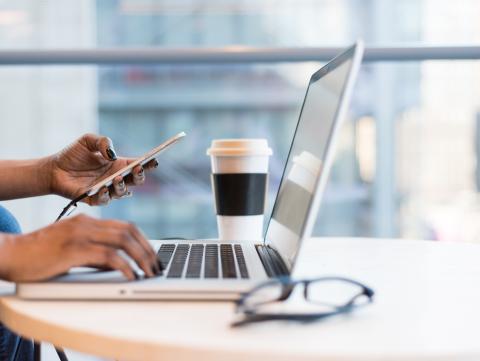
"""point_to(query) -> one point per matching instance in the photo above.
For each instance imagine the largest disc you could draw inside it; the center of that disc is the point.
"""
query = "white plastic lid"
(309, 162)
(239, 147)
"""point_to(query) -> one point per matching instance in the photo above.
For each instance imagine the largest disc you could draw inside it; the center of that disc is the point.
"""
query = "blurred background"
(407, 163)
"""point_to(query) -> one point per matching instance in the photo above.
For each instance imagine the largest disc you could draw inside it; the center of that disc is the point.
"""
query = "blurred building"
(140, 106)
(407, 163)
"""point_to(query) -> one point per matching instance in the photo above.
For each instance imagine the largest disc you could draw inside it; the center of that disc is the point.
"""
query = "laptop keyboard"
(178, 261)
(165, 253)
(242, 266)
(211, 261)
(228, 262)
(207, 260)
(195, 261)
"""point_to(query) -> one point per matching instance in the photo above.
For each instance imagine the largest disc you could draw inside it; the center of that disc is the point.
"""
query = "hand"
(76, 241)
(88, 160)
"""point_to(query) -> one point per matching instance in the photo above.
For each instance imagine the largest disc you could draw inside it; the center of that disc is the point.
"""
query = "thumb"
(104, 145)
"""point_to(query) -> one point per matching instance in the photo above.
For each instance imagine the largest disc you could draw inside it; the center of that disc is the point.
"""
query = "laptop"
(222, 270)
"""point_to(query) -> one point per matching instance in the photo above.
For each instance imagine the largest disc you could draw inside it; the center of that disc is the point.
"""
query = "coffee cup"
(239, 183)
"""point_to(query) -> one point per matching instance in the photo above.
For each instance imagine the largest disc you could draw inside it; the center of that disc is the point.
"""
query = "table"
(426, 308)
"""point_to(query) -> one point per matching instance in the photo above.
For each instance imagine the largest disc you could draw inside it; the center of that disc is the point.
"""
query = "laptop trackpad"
(89, 275)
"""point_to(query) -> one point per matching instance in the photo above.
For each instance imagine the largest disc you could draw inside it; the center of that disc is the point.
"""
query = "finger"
(119, 235)
(107, 257)
(128, 194)
(142, 239)
(101, 198)
(138, 175)
(119, 187)
(97, 143)
(152, 164)
(138, 235)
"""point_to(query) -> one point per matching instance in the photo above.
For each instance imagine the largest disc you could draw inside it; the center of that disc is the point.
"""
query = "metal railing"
(384, 190)
(226, 55)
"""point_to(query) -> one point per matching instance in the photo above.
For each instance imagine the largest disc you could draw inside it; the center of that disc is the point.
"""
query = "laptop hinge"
(272, 261)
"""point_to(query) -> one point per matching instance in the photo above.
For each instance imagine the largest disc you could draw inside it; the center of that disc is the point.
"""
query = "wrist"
(46, 171)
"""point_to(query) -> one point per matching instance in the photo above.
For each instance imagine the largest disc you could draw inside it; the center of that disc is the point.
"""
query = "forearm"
(25, 178)
(7, 244)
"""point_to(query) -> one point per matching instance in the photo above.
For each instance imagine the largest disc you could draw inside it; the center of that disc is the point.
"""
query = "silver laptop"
(212, 269)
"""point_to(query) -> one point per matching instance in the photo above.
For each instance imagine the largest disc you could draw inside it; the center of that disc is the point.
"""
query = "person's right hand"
(76, 241)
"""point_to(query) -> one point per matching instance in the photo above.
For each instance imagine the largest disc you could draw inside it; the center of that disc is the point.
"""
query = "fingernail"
(104, 196)
(154, 271)
(111, 153)
(128, 194)
(121, 185)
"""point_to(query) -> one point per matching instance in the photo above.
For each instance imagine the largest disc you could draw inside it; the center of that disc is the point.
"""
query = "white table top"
(427, 306)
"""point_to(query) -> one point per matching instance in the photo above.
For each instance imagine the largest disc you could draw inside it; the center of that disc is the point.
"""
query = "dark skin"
(85, 162)
(79, 240)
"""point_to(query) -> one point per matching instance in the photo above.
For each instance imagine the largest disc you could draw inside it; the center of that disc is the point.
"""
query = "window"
(406, 165)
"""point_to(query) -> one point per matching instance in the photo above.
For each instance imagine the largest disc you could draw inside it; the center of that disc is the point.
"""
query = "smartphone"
(128, 169)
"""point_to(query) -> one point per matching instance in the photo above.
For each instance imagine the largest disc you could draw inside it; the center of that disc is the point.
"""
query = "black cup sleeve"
(239, 194)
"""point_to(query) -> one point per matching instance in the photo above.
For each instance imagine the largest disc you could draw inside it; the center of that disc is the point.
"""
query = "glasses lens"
(335, 293)
(266, 293)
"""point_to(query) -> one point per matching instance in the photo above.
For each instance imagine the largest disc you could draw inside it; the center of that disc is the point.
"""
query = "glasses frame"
(288, 285)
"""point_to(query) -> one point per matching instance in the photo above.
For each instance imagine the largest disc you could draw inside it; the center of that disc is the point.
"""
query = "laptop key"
(211, 261)
(242, 265)
(228, 262)
(178, 261)
(165, 253)
(195, 261)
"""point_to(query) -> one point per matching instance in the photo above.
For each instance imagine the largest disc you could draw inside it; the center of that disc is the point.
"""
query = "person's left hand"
(88, 160)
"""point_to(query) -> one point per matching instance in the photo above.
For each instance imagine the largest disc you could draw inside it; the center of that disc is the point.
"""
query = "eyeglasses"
(322, 297)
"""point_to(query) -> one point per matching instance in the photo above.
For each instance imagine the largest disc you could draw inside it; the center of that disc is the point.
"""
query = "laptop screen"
(307, 155)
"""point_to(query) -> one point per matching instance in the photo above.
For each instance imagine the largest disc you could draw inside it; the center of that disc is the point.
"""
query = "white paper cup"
(239, 183)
